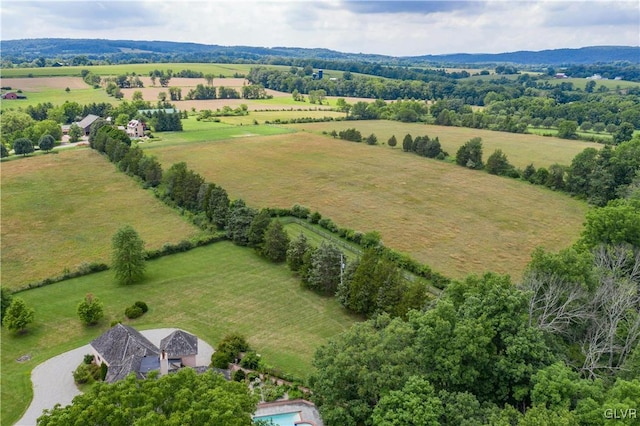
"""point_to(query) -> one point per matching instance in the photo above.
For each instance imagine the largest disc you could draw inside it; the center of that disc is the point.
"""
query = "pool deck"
(307, 410)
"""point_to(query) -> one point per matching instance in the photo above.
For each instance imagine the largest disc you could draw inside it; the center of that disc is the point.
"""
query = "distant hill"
(584, 55)
(120, 50)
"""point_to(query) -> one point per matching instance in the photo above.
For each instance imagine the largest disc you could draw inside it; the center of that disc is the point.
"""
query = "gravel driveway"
(53, 379)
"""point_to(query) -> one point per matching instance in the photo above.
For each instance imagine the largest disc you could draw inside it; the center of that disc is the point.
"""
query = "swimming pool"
(283, 419)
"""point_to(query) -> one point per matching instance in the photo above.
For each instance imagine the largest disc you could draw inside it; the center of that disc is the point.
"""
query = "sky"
(396, 28)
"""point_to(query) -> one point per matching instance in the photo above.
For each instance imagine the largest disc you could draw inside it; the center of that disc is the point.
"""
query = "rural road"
(53, 379)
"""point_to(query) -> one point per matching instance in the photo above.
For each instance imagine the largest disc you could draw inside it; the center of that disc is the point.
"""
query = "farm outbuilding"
(13, 95)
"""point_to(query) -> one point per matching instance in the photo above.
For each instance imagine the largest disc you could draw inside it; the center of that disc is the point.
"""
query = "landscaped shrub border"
(90, 268)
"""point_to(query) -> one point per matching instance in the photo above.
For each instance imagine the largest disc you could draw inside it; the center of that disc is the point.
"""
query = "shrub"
(143, 306)
(251, 361)
(350, 135)
(238, 376)
(221, 359)
(300, 211)
(83, 374)
(133, 312)
(315, 217)
(88, 359)
(295, 394)
(103, 371)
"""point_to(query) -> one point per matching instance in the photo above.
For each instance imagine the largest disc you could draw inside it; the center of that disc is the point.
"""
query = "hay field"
(456, 220)
(60, 210)
(520, 149)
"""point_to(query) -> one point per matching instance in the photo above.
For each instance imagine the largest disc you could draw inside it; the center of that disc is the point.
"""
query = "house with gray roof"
(85, 123)
(125, 350)
(181, 345)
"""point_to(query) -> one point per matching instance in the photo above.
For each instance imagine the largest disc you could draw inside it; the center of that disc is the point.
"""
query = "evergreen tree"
(128, 256)
(407, 143)
(296, 251)
(259, 225)
(239, 222)
(326, 264)
(276, 242)
(5, 299)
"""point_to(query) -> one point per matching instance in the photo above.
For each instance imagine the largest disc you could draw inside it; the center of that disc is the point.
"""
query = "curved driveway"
(53, 379)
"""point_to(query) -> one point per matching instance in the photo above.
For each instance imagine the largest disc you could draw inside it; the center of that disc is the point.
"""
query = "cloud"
(85, 15)
(404, 6)
(592, 14)
(397, 28)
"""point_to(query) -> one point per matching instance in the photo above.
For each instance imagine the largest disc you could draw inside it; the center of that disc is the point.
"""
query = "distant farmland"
(60, 210)
(456, 220)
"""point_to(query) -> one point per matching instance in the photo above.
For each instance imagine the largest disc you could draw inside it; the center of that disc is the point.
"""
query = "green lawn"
(520, 149)
(60, 210)
(209, 291)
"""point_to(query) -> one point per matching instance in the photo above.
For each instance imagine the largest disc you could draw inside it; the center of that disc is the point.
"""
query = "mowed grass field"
(458, 221)
(209, 291)
(60, 210)
(227, 70)
(520, 149)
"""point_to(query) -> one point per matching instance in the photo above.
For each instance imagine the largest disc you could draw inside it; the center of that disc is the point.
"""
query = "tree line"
(512, 105)
(558, 347)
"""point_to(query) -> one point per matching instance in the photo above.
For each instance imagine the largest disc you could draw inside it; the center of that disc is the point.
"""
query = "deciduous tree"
(18, 315)
(470, 154)
(75, 133)
(185, 398)
(90, 310)
(23, 146)
(46, 143)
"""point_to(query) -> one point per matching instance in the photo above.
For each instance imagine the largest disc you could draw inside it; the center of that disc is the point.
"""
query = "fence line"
(409, 276)
(323, 233)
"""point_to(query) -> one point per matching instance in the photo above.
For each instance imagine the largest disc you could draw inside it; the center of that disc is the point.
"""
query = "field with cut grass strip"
(60, 210)
(211, 131)
(520, 149)
(456, 220)
(209, 291)
(316, 235)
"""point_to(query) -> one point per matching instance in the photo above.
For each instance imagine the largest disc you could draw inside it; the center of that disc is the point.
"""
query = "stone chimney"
(164, 363)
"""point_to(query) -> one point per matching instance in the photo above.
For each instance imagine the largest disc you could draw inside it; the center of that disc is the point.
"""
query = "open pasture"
(52, 89)
(60, 210)
(209, 291)
(520, 149)
(458, 221)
